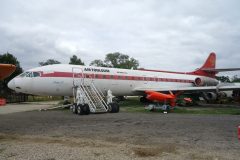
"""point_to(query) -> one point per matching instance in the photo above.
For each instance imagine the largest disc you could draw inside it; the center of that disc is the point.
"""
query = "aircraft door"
(145, 79)
(78, 76)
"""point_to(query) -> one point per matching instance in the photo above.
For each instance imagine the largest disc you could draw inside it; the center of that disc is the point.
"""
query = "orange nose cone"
(6, 70)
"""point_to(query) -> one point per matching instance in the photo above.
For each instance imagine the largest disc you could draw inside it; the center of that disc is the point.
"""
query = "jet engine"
(209, 96)
(212, 96)
(205, 81)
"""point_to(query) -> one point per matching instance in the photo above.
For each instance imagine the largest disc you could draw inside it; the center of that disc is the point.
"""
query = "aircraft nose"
(11, 84)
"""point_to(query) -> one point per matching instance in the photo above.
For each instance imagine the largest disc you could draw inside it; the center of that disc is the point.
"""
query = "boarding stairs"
(85, 92)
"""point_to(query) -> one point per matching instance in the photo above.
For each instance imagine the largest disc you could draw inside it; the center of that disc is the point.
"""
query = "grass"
(132, 104)
(43, 98)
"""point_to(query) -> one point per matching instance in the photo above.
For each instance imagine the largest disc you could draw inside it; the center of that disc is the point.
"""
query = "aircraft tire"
(74, 108)
(86, 109)
(80, 109)
(113, 108)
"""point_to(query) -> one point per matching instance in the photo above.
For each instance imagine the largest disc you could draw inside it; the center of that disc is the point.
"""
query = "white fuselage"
(58, 80)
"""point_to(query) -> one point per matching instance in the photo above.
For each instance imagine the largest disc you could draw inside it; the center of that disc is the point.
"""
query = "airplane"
(6, 70)
(58, 80)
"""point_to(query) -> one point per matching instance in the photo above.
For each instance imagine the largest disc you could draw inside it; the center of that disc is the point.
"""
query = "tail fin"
(210, 63)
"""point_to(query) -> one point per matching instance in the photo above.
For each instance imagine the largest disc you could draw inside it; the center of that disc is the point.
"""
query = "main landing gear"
(113, 107)
(80, 109)
(87, 102)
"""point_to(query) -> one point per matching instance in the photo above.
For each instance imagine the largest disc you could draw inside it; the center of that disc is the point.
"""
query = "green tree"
(223, 78)
(116, 60)
(119, 60)
(98, 63)
(8, 58)
(49, 62)
(76, 61)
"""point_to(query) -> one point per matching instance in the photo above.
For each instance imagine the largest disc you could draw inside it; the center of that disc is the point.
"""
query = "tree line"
(112, 60)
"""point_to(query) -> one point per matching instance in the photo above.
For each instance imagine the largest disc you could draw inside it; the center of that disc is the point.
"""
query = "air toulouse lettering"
(96, 70)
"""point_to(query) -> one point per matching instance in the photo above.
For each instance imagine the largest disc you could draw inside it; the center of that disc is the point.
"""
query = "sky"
(175, 35)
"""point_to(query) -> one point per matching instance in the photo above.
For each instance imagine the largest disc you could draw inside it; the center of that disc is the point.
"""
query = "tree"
(98, 63)
(223, 78)
(49, 62)
(76, 61)
(119, 60)
(116, 60)
(8, 58)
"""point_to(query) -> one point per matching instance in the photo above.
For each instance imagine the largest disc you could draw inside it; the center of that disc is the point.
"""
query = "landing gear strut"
(113, 107)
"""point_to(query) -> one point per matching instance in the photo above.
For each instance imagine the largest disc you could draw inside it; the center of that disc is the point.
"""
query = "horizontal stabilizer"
(220, 69)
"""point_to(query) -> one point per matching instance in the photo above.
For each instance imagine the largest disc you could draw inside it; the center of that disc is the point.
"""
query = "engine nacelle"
(209, 96)
(205, 81)
(212, 96)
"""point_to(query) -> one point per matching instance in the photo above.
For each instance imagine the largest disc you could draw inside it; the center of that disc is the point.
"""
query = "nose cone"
(11, 84)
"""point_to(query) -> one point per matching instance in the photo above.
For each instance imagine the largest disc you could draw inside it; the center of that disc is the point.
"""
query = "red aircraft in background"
(6, 70)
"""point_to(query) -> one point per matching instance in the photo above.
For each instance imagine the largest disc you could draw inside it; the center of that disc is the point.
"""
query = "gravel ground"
(59, 135)
(26, 106)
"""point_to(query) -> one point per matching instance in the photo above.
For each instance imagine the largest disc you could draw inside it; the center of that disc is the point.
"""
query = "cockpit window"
(36, 74)
(30, 74)
(24, 74)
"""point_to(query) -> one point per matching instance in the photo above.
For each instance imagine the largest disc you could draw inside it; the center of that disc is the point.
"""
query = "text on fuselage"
(96, 70)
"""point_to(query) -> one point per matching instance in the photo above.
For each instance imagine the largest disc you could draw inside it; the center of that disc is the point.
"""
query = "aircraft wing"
(6, 70)
(220, 87)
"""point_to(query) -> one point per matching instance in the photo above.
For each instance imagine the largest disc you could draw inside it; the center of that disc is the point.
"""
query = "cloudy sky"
(162, 34)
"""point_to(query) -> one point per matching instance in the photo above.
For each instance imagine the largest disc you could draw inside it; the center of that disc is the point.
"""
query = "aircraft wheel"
(113, 108)
(74, 108)
(86, 109)
(80, 109)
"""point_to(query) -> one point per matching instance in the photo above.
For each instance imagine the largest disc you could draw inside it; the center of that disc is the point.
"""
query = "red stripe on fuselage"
(113, 77)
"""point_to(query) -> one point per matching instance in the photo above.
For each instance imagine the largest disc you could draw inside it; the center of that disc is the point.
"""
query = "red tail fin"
(209, 63)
